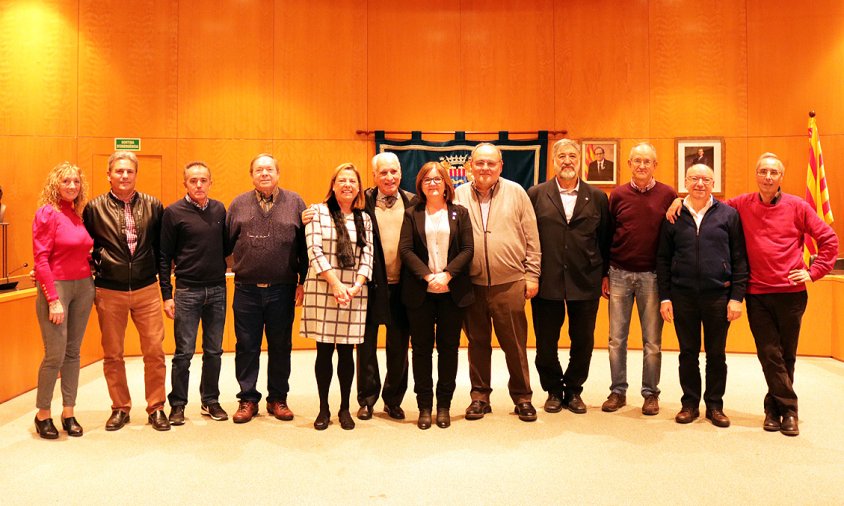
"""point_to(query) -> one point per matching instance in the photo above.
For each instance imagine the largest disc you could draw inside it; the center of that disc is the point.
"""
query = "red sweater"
(774, 234)
(61, 247)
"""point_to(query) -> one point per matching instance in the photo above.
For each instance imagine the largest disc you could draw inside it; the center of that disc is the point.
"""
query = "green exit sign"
(127, 144)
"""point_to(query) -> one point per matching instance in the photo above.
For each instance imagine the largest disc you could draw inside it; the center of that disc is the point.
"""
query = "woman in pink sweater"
(62, 250)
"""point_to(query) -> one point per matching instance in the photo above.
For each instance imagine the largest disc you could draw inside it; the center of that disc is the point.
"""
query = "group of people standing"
(424, 266)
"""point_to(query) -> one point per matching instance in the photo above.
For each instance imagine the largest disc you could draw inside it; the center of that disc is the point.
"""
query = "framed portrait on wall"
(708, 151)
(599, 159)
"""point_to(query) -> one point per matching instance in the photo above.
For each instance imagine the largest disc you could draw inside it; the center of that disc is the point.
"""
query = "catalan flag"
(817, 193)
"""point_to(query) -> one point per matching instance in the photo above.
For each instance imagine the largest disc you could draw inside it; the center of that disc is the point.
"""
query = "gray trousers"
(62, 342)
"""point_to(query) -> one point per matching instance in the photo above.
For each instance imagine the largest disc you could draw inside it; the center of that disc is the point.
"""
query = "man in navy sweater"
(193, 237)
(702, 275)
(270, 262)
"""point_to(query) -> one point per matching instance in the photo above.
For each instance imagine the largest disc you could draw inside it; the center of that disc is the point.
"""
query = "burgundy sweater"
(636, 221)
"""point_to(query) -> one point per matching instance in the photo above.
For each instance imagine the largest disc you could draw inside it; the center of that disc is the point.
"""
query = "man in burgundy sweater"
(636, 212)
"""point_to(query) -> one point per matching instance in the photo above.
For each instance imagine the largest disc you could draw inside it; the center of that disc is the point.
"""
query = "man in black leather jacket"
(125, 225)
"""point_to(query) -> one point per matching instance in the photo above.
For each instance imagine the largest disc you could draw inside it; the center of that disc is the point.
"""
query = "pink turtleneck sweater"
(61, 247)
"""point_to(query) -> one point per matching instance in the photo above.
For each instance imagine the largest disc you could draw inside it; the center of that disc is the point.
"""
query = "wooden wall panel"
(506, 64)
(226, 69)
(25, 164)
(794, 65)
(320, 69)
(414, 73)
(698, 68)
(128, 68)
(306, 166)
(38, 68)
(601, 68)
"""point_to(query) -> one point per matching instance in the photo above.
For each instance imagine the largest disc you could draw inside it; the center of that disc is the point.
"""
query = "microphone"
(11, 285)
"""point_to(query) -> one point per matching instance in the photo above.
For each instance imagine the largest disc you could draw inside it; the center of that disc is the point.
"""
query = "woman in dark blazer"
(436, 248)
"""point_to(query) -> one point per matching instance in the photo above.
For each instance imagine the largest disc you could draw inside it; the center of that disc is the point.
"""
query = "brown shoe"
(246, 410)
(279, 410)
(687, 415)
(614, 402)
(717, 417)
(651, 406)
(772, 422)
(788, 426)
(575, 404)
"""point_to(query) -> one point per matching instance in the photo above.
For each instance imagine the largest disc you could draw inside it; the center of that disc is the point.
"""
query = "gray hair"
(385, 157)
(122, 155)
(560, 144)
(772, 156)
(643, 145)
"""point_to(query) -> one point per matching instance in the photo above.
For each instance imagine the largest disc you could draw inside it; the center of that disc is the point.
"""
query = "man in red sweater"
(775, 225)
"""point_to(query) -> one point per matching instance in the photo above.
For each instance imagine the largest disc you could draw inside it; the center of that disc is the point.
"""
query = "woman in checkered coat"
(334, 315)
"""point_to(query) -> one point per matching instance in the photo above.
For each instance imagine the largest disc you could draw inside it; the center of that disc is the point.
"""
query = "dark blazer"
(378, 302)
(575, 254)
(413, 248)
(602, 175)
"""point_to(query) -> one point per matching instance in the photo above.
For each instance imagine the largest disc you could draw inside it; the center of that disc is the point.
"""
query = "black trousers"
(548, 319)
(436, 322)
(775, 324)
(691, 310)
(398, 336)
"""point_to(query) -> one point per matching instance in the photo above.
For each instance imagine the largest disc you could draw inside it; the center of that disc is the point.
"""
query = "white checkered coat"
(322, 319)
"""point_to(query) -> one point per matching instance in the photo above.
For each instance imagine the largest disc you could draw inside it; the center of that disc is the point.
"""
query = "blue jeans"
(625, 286)
(256, 311)
(195, 305)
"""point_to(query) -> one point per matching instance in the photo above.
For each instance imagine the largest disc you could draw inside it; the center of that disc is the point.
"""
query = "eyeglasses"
(768, 172)
(698, 179)
(485, 163)
(640, 161)
(432, 180)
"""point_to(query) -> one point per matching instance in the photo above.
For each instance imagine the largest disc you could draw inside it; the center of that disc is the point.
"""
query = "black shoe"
(46, 429)
(117, 420)
(788, 426)
(526, 412)
(177, 415)
(424, 421)
(477, 410)
(322, 420)
(395, 412)
(554, 404)
(772, 422)
(158, 420)
(346, 421)
(71, 426)
(365, 412)
(215, 411)
(443, 418)
(575, 404)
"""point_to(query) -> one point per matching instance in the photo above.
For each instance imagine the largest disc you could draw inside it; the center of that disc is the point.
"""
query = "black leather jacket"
(114, 267)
